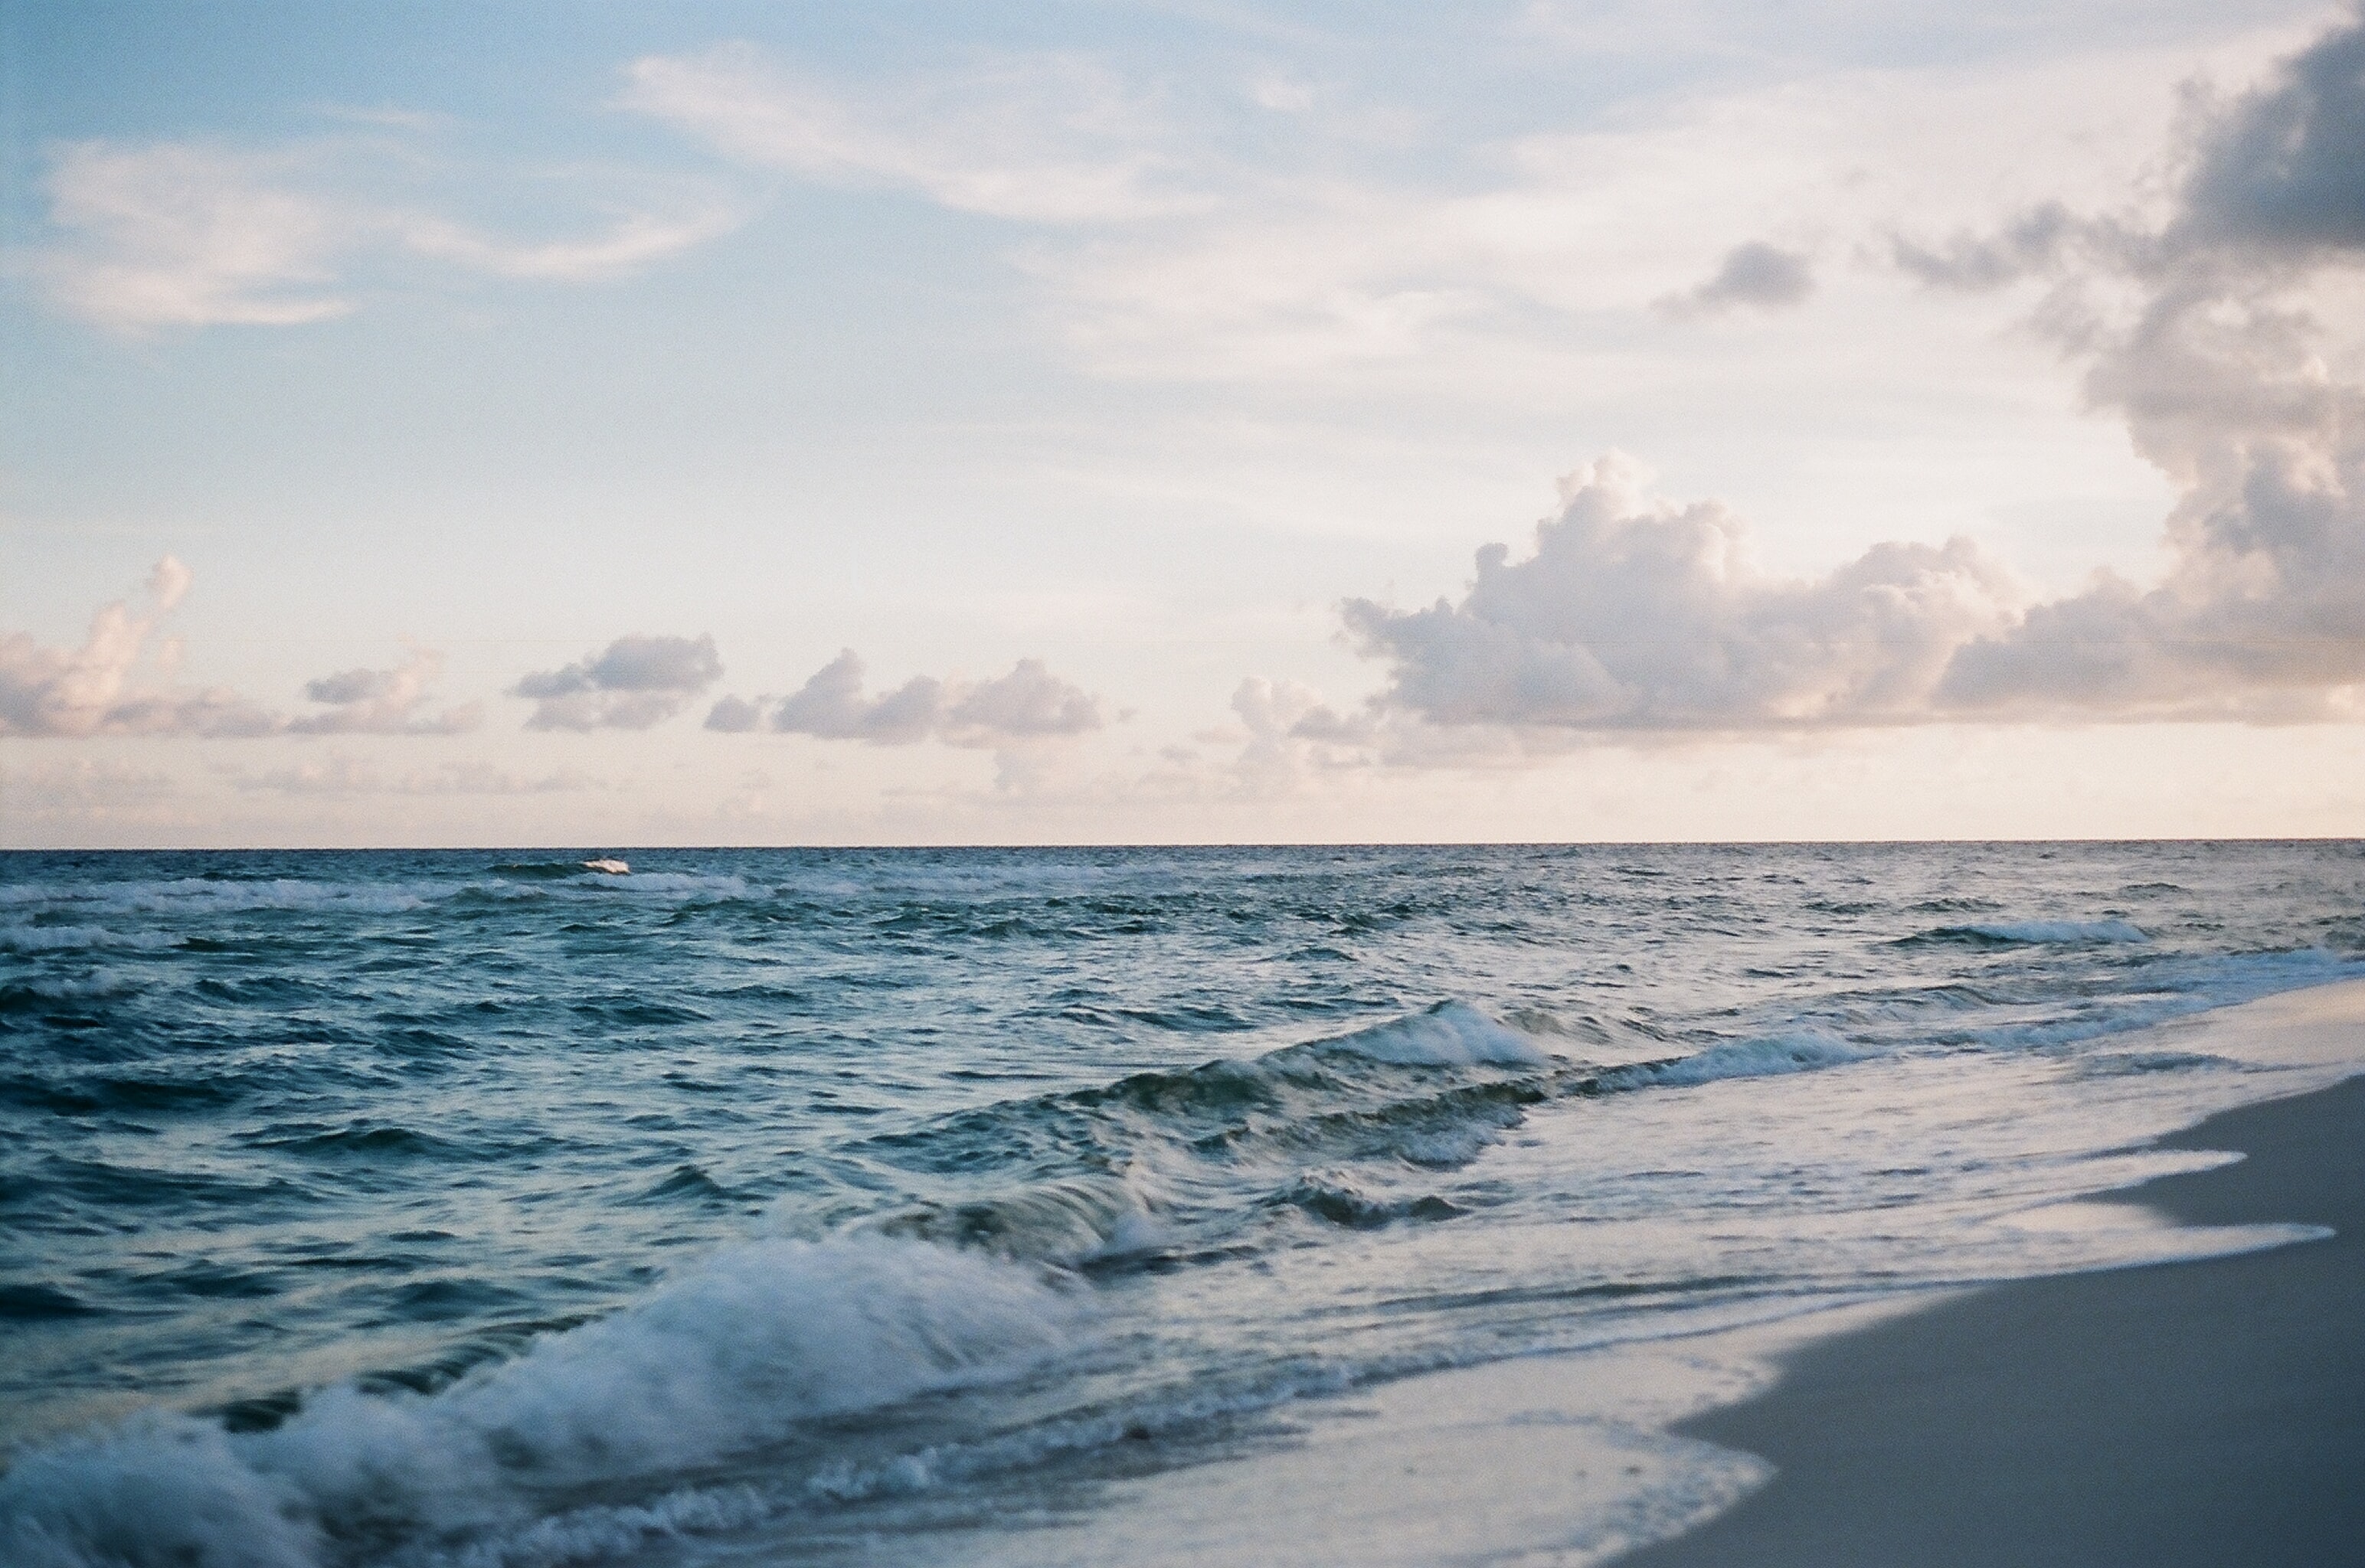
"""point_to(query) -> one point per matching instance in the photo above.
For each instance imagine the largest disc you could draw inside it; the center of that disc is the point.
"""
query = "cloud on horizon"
(341, 775)
(1029, 704)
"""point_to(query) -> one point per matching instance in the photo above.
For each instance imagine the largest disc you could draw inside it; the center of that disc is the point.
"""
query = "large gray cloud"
(96, 690)
(2198, 327)
(2221, 372)
(1028, 704)
(2283, 168)
(635, 682)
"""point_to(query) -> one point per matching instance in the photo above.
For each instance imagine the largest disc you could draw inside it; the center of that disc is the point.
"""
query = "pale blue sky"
(1125, 343)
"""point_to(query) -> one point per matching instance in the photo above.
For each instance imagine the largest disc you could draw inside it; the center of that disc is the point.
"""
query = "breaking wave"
(739, 1354)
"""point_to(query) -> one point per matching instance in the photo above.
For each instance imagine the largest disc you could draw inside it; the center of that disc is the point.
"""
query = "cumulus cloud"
(831, 705)
(1756, 274)
(1029, 704)
(149, 235)
(1631, 614)
(384, 702)
(735, 716)
(633, 683)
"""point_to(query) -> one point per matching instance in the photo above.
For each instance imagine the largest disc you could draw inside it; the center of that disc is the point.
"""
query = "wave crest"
(2034, 933)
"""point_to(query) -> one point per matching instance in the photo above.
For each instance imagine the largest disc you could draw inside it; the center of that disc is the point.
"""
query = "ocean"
(834, 1207)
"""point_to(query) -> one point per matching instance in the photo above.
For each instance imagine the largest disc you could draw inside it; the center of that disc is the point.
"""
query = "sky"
(768, 423)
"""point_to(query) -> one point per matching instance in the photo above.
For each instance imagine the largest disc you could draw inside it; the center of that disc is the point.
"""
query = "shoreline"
(2208, 1412)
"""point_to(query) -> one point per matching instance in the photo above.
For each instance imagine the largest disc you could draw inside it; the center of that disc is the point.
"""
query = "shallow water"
(398, 1208)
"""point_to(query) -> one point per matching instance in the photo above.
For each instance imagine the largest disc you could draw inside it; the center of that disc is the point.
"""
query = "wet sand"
(2207, 1413)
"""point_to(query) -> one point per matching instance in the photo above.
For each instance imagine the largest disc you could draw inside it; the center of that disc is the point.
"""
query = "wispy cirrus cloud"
(152, 235)
(1050, 138)
(1271, 228)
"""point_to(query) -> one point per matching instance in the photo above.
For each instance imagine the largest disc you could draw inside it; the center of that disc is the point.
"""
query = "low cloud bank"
(65, 693)
(1026, 705)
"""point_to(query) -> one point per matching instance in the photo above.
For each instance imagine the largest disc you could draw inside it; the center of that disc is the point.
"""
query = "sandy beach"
(2194, 1412)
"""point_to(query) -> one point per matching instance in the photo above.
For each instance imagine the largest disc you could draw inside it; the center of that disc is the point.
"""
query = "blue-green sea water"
(774, 1205)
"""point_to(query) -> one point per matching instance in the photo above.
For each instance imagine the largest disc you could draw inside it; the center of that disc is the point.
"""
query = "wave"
(1074, 1222)
(2033, 933)
(1769, 1056)
(1451, 1033)
(1178, 1163)
(77, 938)
(761, 1340)
(34, 994)
(1342, 1203)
